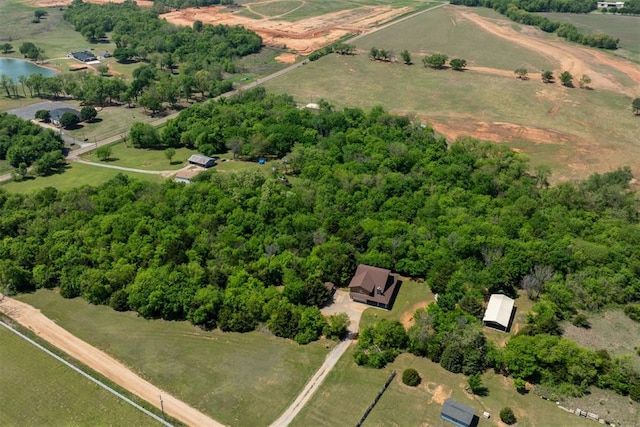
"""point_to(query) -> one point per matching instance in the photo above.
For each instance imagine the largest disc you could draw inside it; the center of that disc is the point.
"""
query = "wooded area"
(238, 250)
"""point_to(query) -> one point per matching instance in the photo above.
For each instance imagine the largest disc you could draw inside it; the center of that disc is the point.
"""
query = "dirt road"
(575, 59)
(102, 363)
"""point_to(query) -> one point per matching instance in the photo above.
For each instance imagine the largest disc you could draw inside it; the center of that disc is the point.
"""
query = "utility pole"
(162, 407)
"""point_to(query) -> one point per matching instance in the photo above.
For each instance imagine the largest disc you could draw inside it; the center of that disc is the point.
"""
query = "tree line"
(236, 251)
(522, 12)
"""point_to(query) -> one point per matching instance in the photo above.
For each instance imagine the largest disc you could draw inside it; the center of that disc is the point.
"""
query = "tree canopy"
(236, 251)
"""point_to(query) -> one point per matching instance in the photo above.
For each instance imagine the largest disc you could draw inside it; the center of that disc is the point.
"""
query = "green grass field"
(110, 121)
(238, 379)
(39, 390)
(75, 175)
(349, 389)
(441, 31)
(626, 28)
(137, 158)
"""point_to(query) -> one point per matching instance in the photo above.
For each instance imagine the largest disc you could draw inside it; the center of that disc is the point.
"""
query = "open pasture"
(445, 31)
(576, 132)
(626, 28)
(238, 379)
(39, 390)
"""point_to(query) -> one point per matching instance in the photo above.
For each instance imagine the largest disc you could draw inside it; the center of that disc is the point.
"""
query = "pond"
(17, 67)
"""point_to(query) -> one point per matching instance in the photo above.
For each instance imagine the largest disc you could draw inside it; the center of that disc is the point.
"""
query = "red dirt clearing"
(60, 3)
(303, 36)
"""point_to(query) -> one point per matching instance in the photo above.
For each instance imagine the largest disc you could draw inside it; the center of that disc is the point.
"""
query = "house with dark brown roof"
(374, 286)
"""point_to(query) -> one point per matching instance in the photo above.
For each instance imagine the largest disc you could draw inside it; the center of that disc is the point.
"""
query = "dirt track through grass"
(32, 319)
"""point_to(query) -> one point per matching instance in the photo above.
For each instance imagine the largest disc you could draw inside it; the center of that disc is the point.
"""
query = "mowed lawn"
(38, 390)
(110, 121)
(139, 158)
(75, 175)
(238, 379)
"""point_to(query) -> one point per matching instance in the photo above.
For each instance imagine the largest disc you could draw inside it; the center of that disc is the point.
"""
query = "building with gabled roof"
(458, 413)
(201, 160)
(499, 312)
(374, 286)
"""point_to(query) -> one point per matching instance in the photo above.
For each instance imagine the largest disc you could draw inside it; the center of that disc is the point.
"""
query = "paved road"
(102, 363)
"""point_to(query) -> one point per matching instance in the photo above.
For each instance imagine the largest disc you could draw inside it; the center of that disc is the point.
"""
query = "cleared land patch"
(238, 379)
(45, 392)
(302, 36)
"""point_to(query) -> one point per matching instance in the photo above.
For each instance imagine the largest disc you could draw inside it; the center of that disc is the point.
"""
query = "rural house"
(57, 113)
(458, 414)
(617, 4)
(499, 312)
(374, 286)
(185, 176)
(84, 56)
(200, 160)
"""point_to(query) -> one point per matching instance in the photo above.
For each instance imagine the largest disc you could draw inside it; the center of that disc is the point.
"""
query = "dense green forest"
(23, 144)
(238, 250)
(522, 11)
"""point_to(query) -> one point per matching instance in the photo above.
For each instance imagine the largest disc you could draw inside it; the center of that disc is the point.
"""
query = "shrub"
(507, 416)
(411, 377)
(581, 321)
(521, 385)
(633, 311)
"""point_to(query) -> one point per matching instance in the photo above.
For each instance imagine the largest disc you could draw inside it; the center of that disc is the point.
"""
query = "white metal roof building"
(498, 313)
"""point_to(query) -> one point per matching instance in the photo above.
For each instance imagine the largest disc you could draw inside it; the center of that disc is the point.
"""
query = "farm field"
(75, 175)
(43, 391)
(576, 132)
(626, 28)
(218, 373)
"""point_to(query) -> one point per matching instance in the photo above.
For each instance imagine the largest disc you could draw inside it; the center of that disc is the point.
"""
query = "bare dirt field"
(97, 360)
(59, 3)
(303, 36)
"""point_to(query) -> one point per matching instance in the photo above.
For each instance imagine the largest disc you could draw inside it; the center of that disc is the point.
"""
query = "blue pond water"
(17, 67)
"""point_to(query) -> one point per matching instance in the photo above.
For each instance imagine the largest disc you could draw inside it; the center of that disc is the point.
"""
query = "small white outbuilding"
(499, 311)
